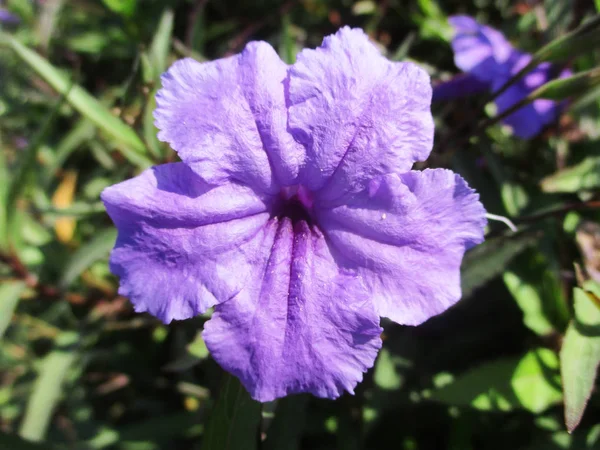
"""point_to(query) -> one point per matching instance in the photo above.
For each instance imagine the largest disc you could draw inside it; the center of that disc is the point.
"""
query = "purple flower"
(8, 18)
(489, 61)
(294, 212)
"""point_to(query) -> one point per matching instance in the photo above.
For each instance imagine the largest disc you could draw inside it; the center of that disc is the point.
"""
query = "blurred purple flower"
(294, 212)
(6, 17)
(489, 61)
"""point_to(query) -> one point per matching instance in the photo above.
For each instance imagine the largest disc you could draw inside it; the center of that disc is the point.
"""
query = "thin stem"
(502, 219)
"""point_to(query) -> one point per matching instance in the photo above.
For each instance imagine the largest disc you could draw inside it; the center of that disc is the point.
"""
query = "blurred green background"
(80, 370)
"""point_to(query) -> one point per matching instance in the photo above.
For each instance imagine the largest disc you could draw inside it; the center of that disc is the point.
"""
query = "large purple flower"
(489, 61)
(295, 212)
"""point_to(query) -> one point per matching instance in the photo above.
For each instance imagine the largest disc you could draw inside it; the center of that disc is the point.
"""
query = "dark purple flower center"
(295, 203)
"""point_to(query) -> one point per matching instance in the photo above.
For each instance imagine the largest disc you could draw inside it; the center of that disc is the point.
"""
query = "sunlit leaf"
(530, 383)
(48, 387)
(579, 357)
(159, 49)
(123, 7)
(537, 292)
(583, 176)
(10, 292)
(98, 247)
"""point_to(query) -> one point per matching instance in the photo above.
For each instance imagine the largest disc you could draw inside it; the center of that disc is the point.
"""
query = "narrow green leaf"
(580, 357)
(150, 131)
(233, 423)
(287, 46)
(530, 383)
(86, 255)
(4, 175)
(583, 39)
(10, 292)
(83, 131)
(27, 164)
(583, 176)
(563, 88)
(159, 49)
(48, 387)
(287, 426)
(488, 260)
(130, 146)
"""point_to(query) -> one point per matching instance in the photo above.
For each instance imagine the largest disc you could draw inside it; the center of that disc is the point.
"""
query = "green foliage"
(79, 369)
(10, 293)
(234, 420)
(530, 382)
(581, 177)
(580, 355)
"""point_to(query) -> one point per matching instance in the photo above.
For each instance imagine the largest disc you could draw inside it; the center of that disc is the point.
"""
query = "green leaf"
(24, 170)
(581, 40)
(529, 383)
(580, 356)
(488, 260)
(386, 374)
(131, 146)
(159, 49)
(125, 8)
(82, 132)
(287, 47)
(48, 387)
(537, 292)
(86, 255)
(531, 303)
(583, 176)
(563, 88)
(234, 420)
(10, 292)
(287, 426)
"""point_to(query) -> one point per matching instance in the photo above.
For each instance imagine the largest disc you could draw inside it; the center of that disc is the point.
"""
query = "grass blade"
(131, 146)
(10, 292)
(86, 255)
(47, 389)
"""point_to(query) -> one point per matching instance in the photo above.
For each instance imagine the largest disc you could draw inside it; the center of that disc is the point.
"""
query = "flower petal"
(183, 245)
(460, 86)
(528, 121)
(297, 326)
(480, 49)
(227, 118)
(358, 114)
(406, 236)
